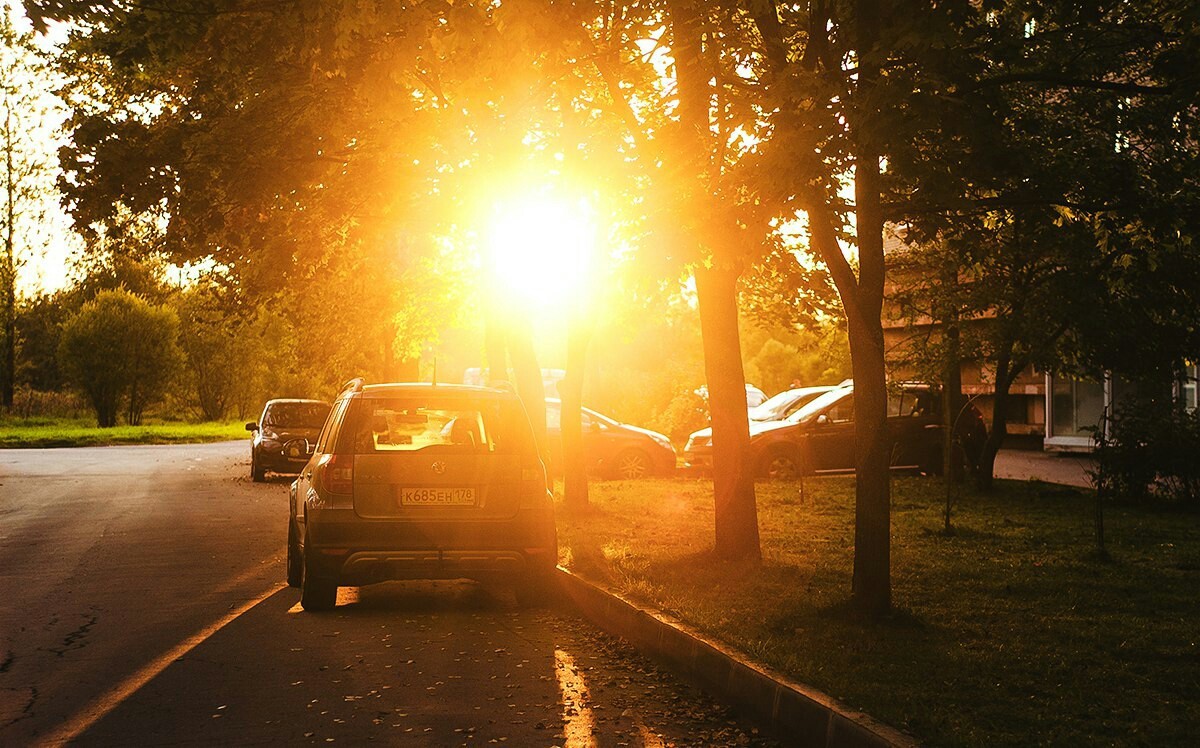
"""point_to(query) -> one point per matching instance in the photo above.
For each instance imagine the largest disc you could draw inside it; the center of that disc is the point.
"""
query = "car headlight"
(662, 441)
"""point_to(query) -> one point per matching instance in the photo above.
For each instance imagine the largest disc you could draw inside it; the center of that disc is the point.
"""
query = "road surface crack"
(16, 704)
(71, 640)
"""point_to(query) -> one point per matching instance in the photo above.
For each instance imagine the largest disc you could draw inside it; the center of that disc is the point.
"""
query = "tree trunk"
(495, 349)
(508, 337)
(736, 515)
(952, 405)
(733, 475)
(574, 464)
(1006, 372)
(952, 402)
(8, 274)
(528, 377)
(872, 587)
(872, 584)
(862, 300)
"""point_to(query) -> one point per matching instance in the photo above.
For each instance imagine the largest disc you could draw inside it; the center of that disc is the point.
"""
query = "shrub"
(120, 349)
(32, 403)
(1150, 450)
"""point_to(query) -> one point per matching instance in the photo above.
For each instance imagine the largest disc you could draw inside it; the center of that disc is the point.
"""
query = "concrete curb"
(793, 712)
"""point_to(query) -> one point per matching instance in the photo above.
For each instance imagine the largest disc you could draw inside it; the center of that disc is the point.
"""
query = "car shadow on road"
(424, 596)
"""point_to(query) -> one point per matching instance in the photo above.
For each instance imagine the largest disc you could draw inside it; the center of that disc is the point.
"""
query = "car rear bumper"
(367, 567)
(359, 551)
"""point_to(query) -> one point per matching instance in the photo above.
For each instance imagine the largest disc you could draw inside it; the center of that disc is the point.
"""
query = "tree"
(1067, 223)
(358, 123)
(447, 84)
(341, 207)
(25, 145)
(39, 326)
(211, 341)
(120, 350)
(40, 318)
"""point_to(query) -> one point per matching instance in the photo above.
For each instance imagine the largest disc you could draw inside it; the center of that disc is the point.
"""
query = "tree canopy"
(338, 159)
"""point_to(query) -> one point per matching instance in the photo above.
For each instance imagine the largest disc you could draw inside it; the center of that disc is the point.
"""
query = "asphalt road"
(141, 603)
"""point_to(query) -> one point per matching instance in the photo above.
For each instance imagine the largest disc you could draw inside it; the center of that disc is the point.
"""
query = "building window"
(1078, 406)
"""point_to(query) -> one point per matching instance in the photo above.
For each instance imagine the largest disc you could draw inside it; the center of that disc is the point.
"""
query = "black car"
(421, 481)
(697, 453)
(820, 436)
(283, 436)
(612, 449)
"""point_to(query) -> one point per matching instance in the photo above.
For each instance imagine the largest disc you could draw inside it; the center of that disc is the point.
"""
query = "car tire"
(258, 474)
(317, 593)
(630, 464)
(535, 589)
(295, 562)
(779, 464)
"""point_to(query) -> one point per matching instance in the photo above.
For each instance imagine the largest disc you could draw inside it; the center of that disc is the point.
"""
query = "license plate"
(436, 497)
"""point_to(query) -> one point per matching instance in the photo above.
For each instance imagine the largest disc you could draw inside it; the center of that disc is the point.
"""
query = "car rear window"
(308, 415)
(407, 424)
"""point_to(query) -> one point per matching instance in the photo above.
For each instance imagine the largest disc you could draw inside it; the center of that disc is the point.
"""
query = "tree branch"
(1062, 81)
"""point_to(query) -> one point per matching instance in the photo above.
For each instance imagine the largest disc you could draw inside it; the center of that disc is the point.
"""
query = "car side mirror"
(252, 426)
(822, 419)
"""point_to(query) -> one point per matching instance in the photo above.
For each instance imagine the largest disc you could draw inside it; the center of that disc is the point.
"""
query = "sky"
(44, 243)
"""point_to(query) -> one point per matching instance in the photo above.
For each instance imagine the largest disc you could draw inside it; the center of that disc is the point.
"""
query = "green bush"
(1149, 451)
(120, 350)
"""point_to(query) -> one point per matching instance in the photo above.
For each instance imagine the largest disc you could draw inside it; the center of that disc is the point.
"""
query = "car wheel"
(258, 474)
(295, 563)
(780, 464)
(631, 465)
(316, 592)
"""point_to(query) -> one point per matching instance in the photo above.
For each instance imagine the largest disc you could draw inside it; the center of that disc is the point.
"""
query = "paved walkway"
(1050, 467)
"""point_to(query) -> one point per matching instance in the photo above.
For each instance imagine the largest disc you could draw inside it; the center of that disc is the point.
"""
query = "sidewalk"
(1049, 467)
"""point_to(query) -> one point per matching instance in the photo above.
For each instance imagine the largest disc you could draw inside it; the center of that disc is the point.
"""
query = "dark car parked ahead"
(820, 436)
(283, 436)
(612, 449)
(698, 451)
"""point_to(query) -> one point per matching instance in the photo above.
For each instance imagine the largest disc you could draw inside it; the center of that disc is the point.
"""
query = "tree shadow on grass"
(707, 565)
(584, 554)
(847, 611)
(958, 532)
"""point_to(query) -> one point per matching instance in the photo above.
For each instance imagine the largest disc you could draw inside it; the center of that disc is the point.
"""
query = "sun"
(540, 248)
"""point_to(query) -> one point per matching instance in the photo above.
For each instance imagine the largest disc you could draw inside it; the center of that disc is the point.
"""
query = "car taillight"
(534, 489)
(337, 475)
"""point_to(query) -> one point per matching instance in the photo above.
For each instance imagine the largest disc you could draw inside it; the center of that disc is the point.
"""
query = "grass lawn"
(48, 432)
(1009, 632)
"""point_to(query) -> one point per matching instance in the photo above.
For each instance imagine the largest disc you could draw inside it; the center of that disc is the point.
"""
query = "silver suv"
(421, 481)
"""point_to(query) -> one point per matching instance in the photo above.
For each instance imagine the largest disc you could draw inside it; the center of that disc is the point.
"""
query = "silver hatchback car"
(421, 481)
